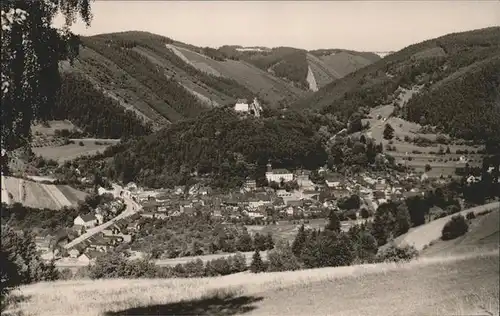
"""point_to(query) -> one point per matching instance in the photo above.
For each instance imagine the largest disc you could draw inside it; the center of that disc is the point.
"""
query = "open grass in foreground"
(430, 286)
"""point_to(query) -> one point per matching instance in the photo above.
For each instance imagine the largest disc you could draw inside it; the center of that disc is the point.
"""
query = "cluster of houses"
(306, 199)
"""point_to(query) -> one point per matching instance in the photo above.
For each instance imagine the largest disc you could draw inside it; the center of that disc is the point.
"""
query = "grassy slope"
(422, 236)
(440, 285)
(483, 233)
(443, 283)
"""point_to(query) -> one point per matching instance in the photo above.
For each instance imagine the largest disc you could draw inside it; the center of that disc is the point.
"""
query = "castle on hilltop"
(254, 108)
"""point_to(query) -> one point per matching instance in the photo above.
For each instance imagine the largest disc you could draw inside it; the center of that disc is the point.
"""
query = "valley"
(142, 175)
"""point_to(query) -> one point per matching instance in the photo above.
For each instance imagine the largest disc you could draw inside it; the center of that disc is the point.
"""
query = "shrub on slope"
(456, 227)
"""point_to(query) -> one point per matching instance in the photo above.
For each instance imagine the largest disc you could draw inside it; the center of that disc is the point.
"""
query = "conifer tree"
(299, 241)
(333, 222)
(257, 264)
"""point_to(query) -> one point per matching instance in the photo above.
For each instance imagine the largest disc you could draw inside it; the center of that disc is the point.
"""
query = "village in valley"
(322, 173)
(290, 199)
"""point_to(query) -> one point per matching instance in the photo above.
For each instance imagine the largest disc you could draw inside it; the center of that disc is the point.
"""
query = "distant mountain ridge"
(164, 81)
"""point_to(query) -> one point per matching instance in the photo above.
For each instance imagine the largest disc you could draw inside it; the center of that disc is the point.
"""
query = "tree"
(269, 241)
(428, 168)
(20, 262)
(333, 222)
(244, 242)
(388, 132)
(260, 242)
(282, 258)
(329, 250)
(299, 241)
(364, 213)
(257, 264)
(31, 51)
(455, 227)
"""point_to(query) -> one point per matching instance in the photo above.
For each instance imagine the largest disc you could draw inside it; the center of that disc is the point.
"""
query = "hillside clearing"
(483, 233)
(72, 151)
(440, 284)
(38, 195)
(422, 236)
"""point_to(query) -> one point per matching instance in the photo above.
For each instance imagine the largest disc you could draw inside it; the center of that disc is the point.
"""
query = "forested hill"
(165, 81)
(460, 77)
(223, 146)
(97, 114)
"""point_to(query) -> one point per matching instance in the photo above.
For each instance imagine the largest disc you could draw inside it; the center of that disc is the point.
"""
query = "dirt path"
(131, 208)
(423, 235)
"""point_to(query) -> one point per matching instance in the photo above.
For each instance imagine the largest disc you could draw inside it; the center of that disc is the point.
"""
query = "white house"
(74, 253)
(243, 106)
(87, 220)
(278, 174)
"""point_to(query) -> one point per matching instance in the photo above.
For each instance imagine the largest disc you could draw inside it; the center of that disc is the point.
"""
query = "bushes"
(394, 253)
(20, 262)
(457, 226)
(470, 216)
(116, 265)
(282, 258)
(365, 213)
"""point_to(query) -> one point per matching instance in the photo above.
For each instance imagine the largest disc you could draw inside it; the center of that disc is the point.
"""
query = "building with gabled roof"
(277, 175)
(86, 220)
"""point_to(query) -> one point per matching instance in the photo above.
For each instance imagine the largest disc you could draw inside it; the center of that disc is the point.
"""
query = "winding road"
(131, 208)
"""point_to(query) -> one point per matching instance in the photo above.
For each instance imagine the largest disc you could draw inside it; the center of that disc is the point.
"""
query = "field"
(287, 231)
(422, 236)
(52, 126)
(72, 151)
(270, 88)
(429, 286)
(38, 195)
(410, 154)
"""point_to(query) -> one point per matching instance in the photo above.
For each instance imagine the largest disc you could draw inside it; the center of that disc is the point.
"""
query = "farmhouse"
(278, 175)
(89, 256)
(333, 180)
(242, 106)
(87, 220)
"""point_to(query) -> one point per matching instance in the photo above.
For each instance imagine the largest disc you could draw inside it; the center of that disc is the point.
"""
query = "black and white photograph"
(260, 158)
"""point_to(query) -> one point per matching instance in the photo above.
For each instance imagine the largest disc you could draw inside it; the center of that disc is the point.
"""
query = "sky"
(358, 25)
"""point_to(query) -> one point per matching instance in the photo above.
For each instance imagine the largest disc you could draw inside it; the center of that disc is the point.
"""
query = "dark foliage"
(329, 249)
(282, 258)
(455, 227)
(257, 265)
(388, 131)
(98, 115)
(221, 144)
(20, 262)
(352, 202)
(390, 220)
(299, 241)
(45, 221)
(178, 102)
(333, 222)
(394, 253)
(476, 94)
(470, 216)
